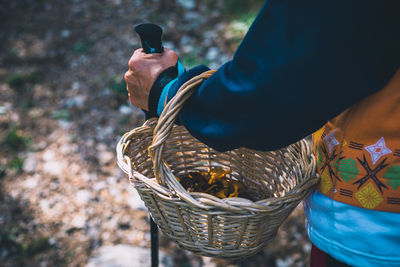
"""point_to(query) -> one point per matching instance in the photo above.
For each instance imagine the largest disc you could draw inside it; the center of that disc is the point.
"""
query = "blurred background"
(63, 108)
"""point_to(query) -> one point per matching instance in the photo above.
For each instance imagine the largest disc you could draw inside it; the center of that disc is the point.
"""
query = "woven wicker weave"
(199, 222)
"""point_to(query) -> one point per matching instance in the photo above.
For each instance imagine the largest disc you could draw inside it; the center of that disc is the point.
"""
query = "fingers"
(128, 75)
(167, 56)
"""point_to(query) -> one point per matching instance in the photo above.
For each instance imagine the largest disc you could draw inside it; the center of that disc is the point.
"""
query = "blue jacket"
(300, 64)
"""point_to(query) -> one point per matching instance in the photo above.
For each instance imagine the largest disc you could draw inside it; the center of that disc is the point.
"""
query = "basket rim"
(209, 202)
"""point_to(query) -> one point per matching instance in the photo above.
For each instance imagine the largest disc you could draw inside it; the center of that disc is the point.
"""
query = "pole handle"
(150, 35)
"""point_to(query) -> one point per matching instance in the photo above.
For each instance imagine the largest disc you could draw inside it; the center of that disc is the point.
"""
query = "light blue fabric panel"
(356, 236)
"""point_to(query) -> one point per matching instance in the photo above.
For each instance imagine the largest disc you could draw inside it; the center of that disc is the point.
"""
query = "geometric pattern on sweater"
(367, 176)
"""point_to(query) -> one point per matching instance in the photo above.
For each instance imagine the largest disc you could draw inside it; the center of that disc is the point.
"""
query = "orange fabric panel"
(358, 152)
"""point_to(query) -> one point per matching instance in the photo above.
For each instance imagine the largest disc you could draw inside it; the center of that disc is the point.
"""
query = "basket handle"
(166, 121)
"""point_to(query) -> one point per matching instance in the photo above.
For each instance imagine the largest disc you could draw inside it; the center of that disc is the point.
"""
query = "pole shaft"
(154, 243)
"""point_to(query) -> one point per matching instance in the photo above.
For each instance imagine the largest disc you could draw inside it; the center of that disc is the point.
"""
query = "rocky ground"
(63, 108)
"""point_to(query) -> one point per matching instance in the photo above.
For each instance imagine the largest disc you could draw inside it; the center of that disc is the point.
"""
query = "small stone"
(89, 176)
(52, 241)
(185, 40)
(106, 157)
(49, 155)
(3, 110)
(65, 148)
(208, 261)
(135, 202)
(44, 205)
(307, 247)
(76, 101)
(284, 262)
(188, 4)
(82, 197)
(78, 221)
(113, 191)
(125, 255)
(30, 163)
(31, 182)
(125, 110)
(35, 113)
(99, 186)
(54, 185)
(39, 146)
(53, 167)
(193, 20)
(105, 235)
(65, 33)
(65, 125)
(75, 86)
(101, 147)
(212, 53)
(104, 132)
(187, 49)
(111, 180)
(93, 232)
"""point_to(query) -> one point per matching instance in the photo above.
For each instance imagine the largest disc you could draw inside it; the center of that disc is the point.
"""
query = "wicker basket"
(204, 224)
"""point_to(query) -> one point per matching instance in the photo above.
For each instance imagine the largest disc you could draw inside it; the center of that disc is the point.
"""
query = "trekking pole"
(150, 37)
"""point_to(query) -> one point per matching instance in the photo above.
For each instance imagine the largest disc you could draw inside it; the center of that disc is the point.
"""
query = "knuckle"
(131, 63)
(172, 55)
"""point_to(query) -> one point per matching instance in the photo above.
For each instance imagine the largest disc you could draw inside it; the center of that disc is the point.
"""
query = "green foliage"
(192, 59)
(124, 120)
(237, 7)
(241, 24)
(7, 241)
(69, 253)
(22, 246)
(118, 85)
(16, 164)
(28, 103)
(2, 172)
(14, 140)
(83, 47)
(19, 81)
(118, 89)
(62, 114)
(35, 246)
(247, 18)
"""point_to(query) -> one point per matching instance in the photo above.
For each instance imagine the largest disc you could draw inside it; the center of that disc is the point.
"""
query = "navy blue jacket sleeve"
(300, 64)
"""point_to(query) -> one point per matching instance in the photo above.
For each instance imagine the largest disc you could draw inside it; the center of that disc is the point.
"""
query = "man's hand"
(143, 72)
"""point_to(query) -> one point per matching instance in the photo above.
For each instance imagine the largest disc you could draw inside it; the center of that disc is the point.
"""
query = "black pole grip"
(150, 36)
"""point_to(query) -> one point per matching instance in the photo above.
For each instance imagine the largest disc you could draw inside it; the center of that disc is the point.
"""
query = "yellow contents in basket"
(213, 182)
